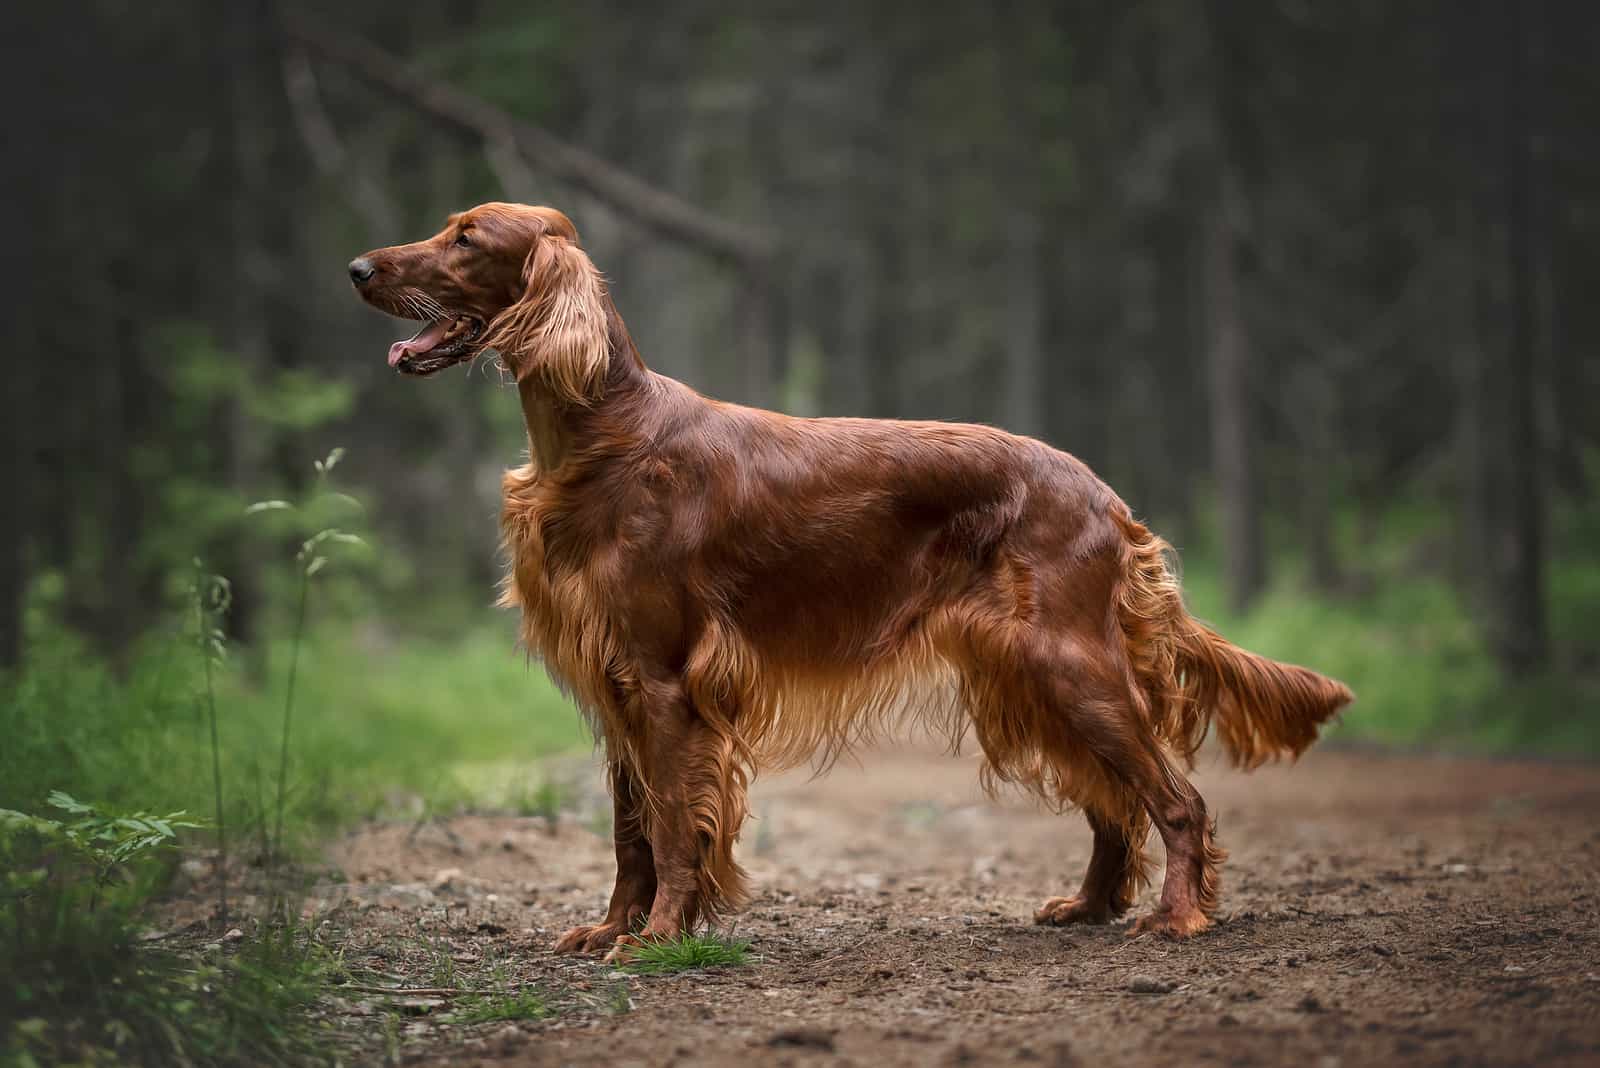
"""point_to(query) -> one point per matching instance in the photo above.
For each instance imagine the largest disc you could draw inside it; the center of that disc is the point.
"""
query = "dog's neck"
(556, 426)
(549, 436)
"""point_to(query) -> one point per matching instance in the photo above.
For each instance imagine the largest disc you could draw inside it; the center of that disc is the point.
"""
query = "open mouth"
(439, 344)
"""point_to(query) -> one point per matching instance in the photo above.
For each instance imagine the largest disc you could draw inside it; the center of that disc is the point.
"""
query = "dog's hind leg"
(1192, 882)
(1190, 885)
(1103, 736)
(635, 890)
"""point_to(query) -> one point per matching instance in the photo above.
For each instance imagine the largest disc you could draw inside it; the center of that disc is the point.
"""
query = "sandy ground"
(1376, 909)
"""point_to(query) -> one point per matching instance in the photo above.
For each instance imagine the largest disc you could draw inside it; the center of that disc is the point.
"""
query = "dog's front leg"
(635, 891)
(695, 806)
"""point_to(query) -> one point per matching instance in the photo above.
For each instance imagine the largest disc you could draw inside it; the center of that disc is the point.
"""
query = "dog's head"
(506, 277)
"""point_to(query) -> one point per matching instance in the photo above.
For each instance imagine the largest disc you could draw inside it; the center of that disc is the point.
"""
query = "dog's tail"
(1193, 677)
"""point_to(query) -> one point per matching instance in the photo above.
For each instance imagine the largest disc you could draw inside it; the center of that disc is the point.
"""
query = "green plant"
(139, 738)
(620, 1001)
(253, 1006)
(688, 952)
(547, 800)
(520, 1005)
(309, 560)
(107, 843)
(391, 1038)
(50, 863)
(211, 595)
(98, 997)
(79, 986)
(442, 965)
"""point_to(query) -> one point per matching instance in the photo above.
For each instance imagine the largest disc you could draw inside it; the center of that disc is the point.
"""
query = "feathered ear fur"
(557, 332)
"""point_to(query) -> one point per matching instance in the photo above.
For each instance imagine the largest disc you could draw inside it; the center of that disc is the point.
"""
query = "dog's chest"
(567, 610)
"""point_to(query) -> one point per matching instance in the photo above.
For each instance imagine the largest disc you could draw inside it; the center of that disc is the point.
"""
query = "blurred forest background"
(1309, 284)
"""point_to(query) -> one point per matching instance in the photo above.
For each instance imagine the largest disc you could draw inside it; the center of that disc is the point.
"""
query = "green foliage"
(309, 560)
(688, 952)
(210, 596)
(252, 1007)
(384, 723)
(378, 724)
(546, 801)
(508, 58)
(92, 993)
(1409, 652)
(190, 509)
(80, 985)
(69, 882)
(1415, 651)
(521, 1005)
(390, 723)
(106, 843)
(295, 401)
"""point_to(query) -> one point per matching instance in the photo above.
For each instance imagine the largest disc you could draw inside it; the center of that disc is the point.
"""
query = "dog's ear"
(557, 333)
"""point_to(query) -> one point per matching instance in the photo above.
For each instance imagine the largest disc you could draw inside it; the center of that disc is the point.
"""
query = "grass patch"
(546, 801)
(383, 727)
(687, 953)
(157, 1007)
(522, 1005)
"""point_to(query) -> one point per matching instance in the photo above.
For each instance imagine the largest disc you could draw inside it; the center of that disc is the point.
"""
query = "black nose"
(361, 269)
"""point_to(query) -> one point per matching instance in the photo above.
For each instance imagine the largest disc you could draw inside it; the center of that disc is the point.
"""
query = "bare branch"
(655, 208)
(505, 159)
(365, 196)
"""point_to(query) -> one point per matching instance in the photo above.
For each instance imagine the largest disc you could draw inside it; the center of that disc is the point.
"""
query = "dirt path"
(1376, 909)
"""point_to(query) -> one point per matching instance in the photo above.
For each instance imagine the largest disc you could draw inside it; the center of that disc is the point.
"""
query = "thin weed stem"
(216, 755)
(288, 711)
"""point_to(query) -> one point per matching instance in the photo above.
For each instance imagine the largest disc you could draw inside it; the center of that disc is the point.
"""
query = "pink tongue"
(426, 339)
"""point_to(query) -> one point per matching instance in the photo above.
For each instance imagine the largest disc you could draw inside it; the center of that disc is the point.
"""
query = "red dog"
(724, 589)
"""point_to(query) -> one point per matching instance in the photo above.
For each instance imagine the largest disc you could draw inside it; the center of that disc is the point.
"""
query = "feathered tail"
(1193, 677)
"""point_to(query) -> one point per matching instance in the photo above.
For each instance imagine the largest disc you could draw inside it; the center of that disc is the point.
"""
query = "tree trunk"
(1519, 540)
(1562, 395)
(1228, 356)
(249, 31)
(759, 306)
(888, 321)
(1311, 398)
(1024, 389)
(119, 612)
(1182, 362)
(842, 295)
(1228, 381)
(14, 407)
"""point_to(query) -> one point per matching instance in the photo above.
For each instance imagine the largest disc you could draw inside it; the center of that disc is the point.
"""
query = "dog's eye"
(463, 240)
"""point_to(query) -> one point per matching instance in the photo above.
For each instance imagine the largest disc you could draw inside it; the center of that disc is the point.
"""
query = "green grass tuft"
(687, 953)
(489, 1008)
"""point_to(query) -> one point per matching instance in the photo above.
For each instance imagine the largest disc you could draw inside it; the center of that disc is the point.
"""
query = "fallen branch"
(409, 991)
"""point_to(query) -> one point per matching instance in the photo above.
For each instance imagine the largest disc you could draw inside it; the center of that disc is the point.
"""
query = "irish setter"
(724, 589)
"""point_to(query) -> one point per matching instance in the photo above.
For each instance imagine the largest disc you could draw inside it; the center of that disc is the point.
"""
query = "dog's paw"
(625, 944)
(623, 949)
(1170, 924)
(591, 938)
(1060, 911)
